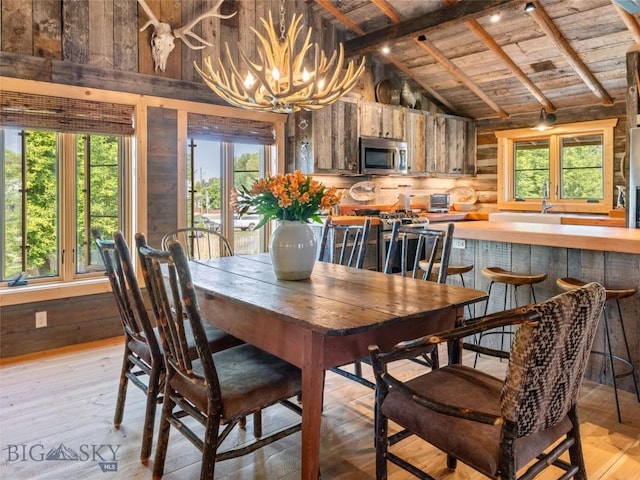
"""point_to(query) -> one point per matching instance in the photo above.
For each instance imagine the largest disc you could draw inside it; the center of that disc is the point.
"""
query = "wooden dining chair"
(218, 389)
(523, 423)
(413, 251)
(216, 338)
(143, 364)
(199, 243)
(344, 244)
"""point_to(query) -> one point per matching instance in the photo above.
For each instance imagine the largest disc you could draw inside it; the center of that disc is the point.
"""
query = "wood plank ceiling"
(562, 54)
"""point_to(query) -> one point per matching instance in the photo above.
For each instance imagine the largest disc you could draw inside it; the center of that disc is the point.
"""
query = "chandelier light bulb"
(249, 80)
(275, 74)
(305, 75)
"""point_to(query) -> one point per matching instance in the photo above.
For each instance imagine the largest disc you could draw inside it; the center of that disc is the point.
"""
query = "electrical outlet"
(41, 319)
(458, 243)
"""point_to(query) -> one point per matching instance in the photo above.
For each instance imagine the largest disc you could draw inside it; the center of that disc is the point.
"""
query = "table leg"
(312, 390)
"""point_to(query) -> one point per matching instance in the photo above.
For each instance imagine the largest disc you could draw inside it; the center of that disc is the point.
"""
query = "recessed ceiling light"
(495, 18)
(529, 7)
(386, 49)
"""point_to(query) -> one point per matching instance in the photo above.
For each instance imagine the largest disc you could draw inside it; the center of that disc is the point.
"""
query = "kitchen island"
(607, 255)
(606, 239)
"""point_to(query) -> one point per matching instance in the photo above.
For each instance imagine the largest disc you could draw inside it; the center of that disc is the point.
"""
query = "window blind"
(26, 110)
(229, 129)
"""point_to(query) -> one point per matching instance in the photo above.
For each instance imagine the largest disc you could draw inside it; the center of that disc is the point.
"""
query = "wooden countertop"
(599, 238)
(433, 217)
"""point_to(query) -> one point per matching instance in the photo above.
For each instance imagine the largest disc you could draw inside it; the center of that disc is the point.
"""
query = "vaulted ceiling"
(560, 54)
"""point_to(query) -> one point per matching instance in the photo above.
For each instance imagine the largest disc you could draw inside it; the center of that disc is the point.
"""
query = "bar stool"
(500, 275)
(612, 294)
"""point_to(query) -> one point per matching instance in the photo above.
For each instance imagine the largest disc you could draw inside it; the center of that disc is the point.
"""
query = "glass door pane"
(248, 163)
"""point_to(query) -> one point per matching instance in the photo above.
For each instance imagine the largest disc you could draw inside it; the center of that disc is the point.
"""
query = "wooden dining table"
(325, 321)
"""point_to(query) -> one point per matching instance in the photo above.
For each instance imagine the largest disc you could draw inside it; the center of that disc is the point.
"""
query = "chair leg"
(210, 450)
(163, 433)
(150, 413)
(127, 365)
(575, 451)
(357, 368)
(257, 424)
(381, 444)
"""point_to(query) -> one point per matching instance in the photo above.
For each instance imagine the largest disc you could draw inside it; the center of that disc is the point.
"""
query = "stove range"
(407, 218)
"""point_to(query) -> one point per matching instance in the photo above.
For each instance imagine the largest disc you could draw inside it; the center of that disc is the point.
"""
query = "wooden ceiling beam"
(549, 28)
(630, 22)
(437, 19)
(341, 17)
(497, 50)
(328, 6)
(458, 74)
(386, 8)
(447, 64)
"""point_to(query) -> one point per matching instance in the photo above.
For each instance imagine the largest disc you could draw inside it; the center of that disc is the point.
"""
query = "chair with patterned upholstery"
(213, 390)
(521, 424)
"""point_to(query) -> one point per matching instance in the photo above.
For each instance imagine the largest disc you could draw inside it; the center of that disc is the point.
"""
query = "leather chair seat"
(465, 387)
(259, 379)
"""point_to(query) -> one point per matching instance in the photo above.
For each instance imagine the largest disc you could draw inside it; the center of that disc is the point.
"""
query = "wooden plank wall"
(616, 270)
(69, 321)
(162, 174)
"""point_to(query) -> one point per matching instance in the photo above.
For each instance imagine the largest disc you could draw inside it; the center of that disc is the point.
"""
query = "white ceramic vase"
(293, 250)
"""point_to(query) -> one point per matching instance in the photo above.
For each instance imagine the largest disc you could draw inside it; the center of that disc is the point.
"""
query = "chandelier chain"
(282, 22)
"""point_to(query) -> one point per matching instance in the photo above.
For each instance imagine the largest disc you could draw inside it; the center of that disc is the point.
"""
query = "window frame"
(66, 204)
(506, 166)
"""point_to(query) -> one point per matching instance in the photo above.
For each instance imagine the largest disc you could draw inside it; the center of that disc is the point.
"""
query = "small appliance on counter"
(439, 203)
(404, 198)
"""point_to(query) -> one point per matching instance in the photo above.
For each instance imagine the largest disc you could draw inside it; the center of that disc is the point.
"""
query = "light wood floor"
(67, 397)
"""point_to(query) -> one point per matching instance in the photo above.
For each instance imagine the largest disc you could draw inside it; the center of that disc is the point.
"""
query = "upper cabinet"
(381, 121)
(415, 123)
(450, 145)
(437, 144)
(335, 138)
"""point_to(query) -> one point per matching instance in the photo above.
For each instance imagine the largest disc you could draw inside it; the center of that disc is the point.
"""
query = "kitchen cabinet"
(415, 124)
(450, 145)
(381, 121)
(437, 144)
(335, 138)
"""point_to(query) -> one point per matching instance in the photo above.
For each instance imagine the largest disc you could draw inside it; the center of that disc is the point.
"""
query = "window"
(55, 187)
(571, 165)
(208, 206)
(223, 153)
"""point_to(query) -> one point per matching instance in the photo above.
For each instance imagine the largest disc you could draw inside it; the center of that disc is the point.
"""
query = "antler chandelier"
(280, 82)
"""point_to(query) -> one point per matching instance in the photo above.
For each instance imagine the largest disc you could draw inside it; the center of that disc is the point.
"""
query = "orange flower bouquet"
(293, 196)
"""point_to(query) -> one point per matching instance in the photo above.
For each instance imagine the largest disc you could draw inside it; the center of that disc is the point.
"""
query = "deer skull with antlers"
(163, 36)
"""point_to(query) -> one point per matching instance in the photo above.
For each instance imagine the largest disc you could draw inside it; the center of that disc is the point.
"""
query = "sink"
(528, 217)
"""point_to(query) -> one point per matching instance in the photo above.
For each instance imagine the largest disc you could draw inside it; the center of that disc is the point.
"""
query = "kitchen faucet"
(545, 195)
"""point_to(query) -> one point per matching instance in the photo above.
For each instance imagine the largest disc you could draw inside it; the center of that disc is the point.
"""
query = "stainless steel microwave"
(382, 156)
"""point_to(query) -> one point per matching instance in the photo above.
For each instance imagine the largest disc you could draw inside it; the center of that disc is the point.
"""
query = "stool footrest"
(626, 362)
